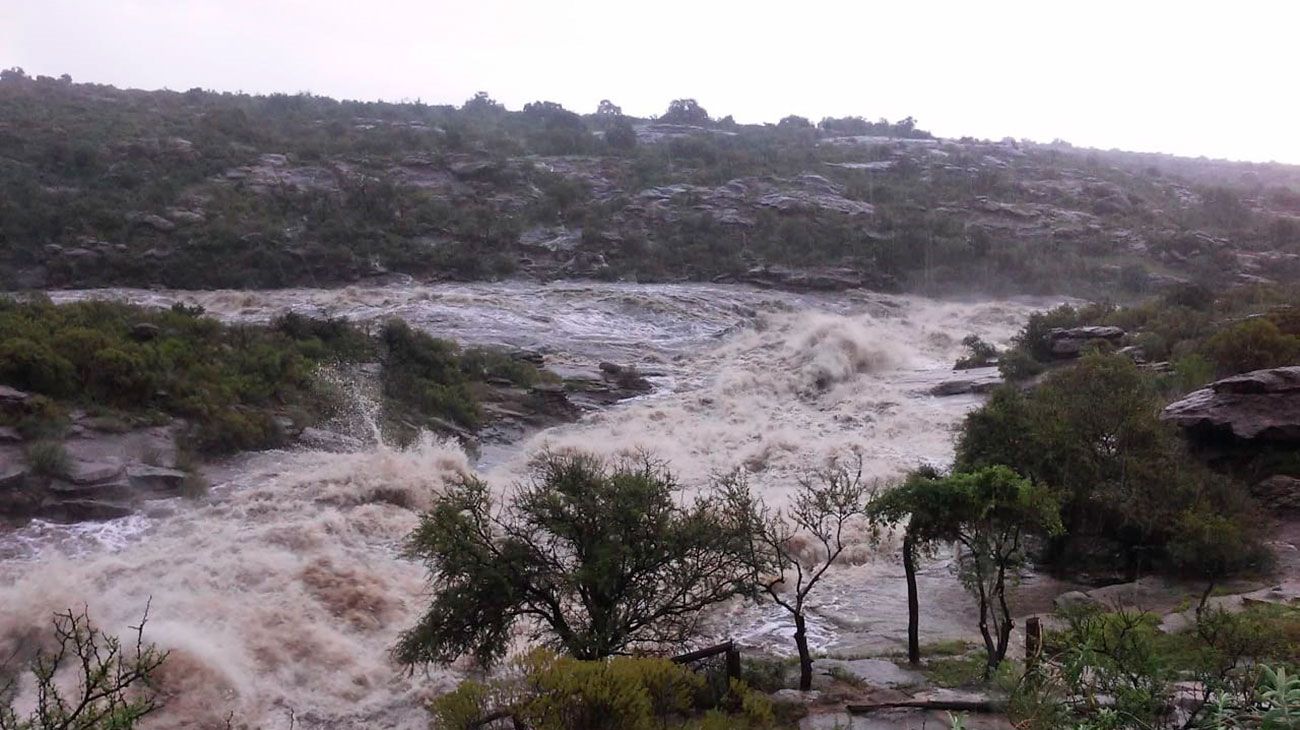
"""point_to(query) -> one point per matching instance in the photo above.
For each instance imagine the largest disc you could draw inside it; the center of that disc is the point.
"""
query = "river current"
(280, 593)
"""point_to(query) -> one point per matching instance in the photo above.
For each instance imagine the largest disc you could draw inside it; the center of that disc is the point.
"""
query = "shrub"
(1252, 345)
(1016, 365)
(544, 691)
(981, 353)
(48, 459)
(30, 365)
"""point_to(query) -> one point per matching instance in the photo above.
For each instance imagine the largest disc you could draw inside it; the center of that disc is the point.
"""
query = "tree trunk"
(913, 606)
(805, 657)
(1006, 623)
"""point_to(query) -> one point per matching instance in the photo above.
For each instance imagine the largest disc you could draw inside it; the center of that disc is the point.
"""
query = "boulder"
(1278, 492)
(625, 376)
(144, 331)
(9, 435)
(1262, 405)
(1074, 601)
(1068, 343)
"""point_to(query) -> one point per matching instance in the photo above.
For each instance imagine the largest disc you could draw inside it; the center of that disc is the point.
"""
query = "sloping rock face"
(1259, 406)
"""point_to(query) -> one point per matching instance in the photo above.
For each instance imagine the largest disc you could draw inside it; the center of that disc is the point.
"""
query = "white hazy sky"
(1195, 78)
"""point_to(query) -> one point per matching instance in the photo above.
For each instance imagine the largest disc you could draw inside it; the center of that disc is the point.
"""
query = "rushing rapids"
(280, 593)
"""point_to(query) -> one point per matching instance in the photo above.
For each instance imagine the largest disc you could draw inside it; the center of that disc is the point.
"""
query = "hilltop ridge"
(108, 187)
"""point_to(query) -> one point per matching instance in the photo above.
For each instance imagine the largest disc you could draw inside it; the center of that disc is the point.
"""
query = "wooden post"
(733, 663)
(1033, 639)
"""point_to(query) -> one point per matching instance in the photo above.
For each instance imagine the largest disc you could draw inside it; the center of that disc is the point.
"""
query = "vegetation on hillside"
(198, 189)
(238, 387)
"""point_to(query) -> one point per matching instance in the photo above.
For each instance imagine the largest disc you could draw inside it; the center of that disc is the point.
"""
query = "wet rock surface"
(1259, 406)
(972, 380)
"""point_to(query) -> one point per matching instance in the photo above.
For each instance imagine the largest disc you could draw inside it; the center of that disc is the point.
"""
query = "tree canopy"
(591, 556)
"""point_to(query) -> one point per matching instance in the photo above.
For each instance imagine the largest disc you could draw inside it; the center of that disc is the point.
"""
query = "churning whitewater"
(280, 593)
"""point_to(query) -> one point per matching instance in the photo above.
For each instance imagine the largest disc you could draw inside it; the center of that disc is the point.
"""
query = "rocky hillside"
(101, 186)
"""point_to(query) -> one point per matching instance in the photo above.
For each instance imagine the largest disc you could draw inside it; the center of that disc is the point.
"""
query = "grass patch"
(951, 647)
(957, 671)
(48, 459)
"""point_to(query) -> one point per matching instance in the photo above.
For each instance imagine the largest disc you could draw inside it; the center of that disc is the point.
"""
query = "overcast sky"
(1196, 78)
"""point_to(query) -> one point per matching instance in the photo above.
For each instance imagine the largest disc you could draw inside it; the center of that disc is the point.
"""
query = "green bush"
(544, 691)
(1252, 345)
(1092, 432)
(31, 365)
(48, 459)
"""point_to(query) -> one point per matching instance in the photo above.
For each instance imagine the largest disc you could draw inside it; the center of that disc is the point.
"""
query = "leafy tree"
(919, 536)
(990, 512)
(597, 557)
(1092, 431)
(794, 122)
(685, 111)
(608, 109)
(820, 509)
(1212, 546)
(621, 136)
(114, 687)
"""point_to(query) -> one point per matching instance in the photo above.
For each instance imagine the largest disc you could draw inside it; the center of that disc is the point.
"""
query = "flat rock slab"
(973, 380)
(154, 478)
(94, 472)
(12, 476)
(871, 672)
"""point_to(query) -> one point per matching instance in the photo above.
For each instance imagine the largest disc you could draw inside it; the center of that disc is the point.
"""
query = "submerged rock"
(1262, 405)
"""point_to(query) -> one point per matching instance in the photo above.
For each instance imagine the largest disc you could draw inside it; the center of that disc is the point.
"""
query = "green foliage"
(444, 192)
(991, 511)
(1112, 670)
(1016, 365)
(234, 383)
(1252, 345)
(111, 688)
(48, 459)
(426, 371)
(599, 557)
(981, 354)
(1092, 432)
(544, 691)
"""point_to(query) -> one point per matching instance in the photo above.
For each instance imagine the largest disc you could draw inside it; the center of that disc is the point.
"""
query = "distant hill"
(102, 186)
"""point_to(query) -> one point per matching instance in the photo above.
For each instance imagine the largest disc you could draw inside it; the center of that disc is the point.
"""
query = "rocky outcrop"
(1069, 343)
(1259, 406)
(1278, 492)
